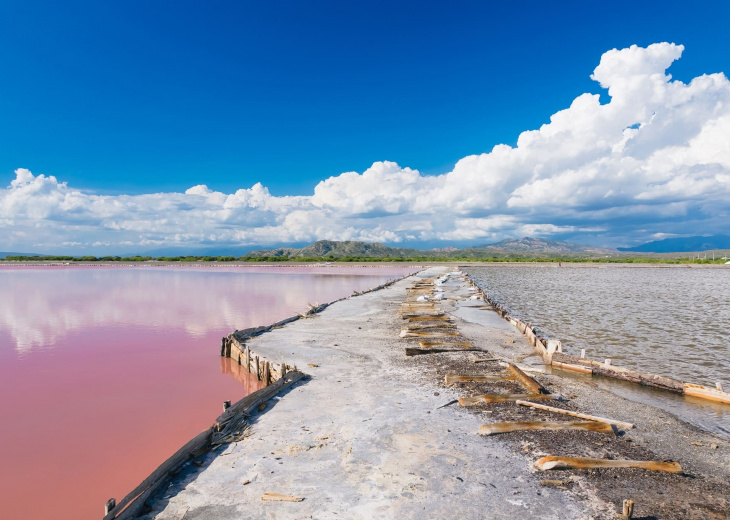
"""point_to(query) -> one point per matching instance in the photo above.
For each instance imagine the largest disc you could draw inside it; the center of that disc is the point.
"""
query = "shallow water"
(106, 371)
(670, 321)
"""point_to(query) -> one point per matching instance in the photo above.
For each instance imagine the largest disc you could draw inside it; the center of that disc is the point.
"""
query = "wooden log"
(600, 369)
(704, 392)
(547, 463)
(485, 360)
(450, 379)
(529, 383)
(574, 368)
(276, 497)
(577, 414)
(429, 344)
(428, 334)
(512, 426)
(501, 398)
(421, 351)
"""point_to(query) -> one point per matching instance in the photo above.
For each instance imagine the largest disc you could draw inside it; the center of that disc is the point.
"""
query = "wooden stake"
(626, 425)
(582, 353)
(450, 379)
(248, 359)
(718, 385)
(529, 383)
(628, 510)
(226, 405)
(501, 398)
(547, 463)
(258, 373)
(512, 426)
(110, 504)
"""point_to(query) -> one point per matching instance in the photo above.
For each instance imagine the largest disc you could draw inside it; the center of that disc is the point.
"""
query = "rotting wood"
(550, 462)
(450, 379)
(513, 426)
(417, 315)
(276, 497)
(622, 424)
(421, 351)
(704, 392)
(529, 383)
(485, 360)
(502, 398)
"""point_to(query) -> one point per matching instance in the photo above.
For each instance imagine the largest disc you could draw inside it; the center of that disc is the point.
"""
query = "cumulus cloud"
(653, 160)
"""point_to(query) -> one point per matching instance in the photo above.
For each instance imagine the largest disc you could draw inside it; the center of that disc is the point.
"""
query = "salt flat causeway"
(670, 321)
(106, 371)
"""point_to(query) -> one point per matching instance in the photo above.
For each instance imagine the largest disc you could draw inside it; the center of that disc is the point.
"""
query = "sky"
(128, 127)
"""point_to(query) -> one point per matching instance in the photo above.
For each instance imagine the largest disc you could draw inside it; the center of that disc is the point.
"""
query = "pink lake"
(107, 371)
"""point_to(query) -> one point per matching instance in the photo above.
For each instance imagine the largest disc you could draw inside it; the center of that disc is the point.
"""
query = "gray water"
(670, 321)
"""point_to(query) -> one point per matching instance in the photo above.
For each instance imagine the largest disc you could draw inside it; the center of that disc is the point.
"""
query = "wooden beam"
(577, 414)
(529, 383)
(450, 379)
(512, 426)
(704, 392)
(429, 344)
(501, 398)
(420, 351)
(547, 463)
(573, 368)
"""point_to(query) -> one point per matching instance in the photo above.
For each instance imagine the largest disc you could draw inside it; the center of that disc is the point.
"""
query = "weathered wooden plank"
(512, 426)
(550, 462)
(450, 379)
(529, 383)
(421, 351)
(501, 398)
(573, 368)
(429, 344)
(576, 414)
(428, 334)
(704, 392)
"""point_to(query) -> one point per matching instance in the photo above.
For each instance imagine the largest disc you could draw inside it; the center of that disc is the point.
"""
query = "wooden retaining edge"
(589, 366)
(132, 504)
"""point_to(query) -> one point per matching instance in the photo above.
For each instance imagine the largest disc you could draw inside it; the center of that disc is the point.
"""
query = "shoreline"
(365, 436)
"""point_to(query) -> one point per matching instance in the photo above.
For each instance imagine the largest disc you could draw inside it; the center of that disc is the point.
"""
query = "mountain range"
(682, 245)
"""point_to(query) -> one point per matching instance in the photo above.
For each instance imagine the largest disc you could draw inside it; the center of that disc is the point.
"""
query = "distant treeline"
(308, 259)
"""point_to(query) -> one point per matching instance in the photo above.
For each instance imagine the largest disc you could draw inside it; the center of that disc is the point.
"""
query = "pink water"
(105, 372)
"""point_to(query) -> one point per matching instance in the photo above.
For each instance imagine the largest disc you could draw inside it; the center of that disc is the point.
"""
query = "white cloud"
(654, 160)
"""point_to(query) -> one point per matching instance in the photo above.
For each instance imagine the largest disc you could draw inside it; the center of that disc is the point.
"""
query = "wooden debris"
(628, 510)
(574, 368)
(484, 360)
(313, 365)
(276, 497)
(547, 463)
(501, 398)
(420, 351)
(529, 383)
(454, 378)
(428, 334)
(626, 425)
(428, 344)
(513, 426)
(704, 392)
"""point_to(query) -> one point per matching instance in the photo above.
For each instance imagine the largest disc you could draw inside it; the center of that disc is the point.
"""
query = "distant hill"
(523, 247)
(337, 249)
(540, 246)
(682, 245)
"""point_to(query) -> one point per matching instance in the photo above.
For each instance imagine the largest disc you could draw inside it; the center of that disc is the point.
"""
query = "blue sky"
(137, 98)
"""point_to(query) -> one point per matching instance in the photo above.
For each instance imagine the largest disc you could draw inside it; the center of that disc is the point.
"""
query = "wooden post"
(628, 510)
(223, 347)
(718, 385)
(110, 504)
(226, 405)
(582, 353)
(248, 360)
(607, 362)
(258, 374)
(283, 370)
